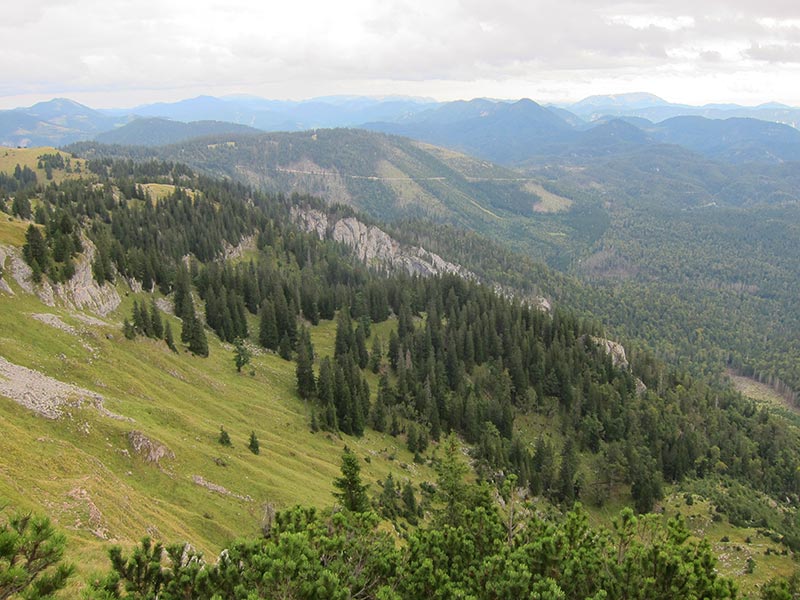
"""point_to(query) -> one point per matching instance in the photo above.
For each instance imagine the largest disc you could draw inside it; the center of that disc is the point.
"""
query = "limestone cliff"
(81, 292)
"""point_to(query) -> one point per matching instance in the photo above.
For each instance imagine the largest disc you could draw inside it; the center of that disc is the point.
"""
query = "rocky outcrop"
(151, 451)
(81, 292)
(618, 357)
(377, 248)
(214, 487)
(614, 349)
(230, 252)
(46, 396)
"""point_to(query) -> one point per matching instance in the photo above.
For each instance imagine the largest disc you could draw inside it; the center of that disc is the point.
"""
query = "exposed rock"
(44, 395)
(55, 321)
(152, 451)
(95, 517)
(230, 252)
(82, 291)
(79, 293)
(91, 320)
(165, 306)
(618, 357)
(377, 248)
(202, 482)
(615, 349)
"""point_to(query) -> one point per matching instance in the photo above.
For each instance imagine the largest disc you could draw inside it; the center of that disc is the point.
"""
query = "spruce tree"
(254, 445)
(241, 354)
(155, 320)
(268, 330)
(376, 355)
(168, 337)
(128, 330)
(224, 439)
(306, 385)
(352, 492)
(388, 498)
(361, 348)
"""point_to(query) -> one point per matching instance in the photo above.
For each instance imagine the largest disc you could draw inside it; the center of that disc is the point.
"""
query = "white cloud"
(123, 52)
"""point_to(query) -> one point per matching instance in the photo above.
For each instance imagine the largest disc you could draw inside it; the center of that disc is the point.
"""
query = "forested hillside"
(382, 360)
(656, 231)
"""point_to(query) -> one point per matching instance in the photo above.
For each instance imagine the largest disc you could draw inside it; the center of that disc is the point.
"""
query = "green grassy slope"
(83, 472)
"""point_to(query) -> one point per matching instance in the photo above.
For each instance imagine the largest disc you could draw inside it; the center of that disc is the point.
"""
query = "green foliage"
(253, 445)
(31, 553)
(241, 354)
(352, 492)
(224, 439)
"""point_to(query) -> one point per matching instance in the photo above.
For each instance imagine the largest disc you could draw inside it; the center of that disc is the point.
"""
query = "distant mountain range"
(656, 109)
(510, 133)
(525, 132)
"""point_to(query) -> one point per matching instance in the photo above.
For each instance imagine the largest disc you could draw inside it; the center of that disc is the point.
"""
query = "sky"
(123, 53)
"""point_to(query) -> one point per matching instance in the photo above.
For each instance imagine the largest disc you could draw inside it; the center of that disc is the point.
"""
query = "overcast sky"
(120, 53)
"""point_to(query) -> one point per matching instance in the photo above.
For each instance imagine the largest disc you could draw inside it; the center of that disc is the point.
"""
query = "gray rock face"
(79, 293)
(377, 248)
(151, 451)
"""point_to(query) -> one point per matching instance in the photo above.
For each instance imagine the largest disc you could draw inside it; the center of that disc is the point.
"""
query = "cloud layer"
(127, 51)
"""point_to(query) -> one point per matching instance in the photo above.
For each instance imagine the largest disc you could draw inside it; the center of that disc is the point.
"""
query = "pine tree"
(268, 330)
(285, 347)
(36, 252)
(410, 509)
(352, 492)
(128, 330)
(377, 416)
(198, 344)
(361, 348)
(168, 337)
(224, 439)
(306, 385)
(156, 321)
(182, 297)
(254, 445)
(241, 354)
(376, 355)
(388, 498)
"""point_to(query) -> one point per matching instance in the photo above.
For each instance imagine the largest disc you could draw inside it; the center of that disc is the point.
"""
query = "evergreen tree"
(36, 252)
(224, 439)
(128, 330)
(285, 347)
(197, 342)
(410, 509)
(182, 298)
(155, 320)
(361, 348)
(388, 498)
(325, 395)
(306, 384)
(268, 330)
(352, 492)
(241, 354)
(31, 558)
(168, 337)
(376, 355)
(377, 415)
(567, 473)
(254, 445)
(21, 206)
